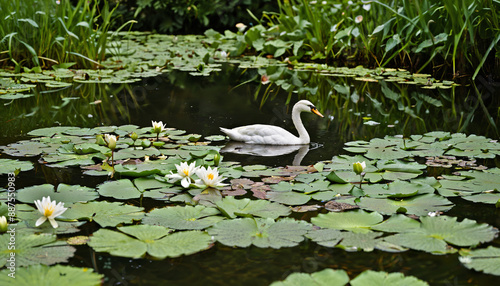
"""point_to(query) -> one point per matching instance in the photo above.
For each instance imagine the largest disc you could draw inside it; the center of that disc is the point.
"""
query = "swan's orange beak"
(315, 111)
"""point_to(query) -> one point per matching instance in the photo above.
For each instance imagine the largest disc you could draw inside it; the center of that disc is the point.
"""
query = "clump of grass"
(452, 38)
(46, 33)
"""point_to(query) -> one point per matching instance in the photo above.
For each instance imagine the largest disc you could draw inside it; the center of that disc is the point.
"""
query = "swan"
(274, 135)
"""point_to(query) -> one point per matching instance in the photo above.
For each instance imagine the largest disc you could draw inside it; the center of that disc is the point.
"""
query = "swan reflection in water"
(269, 150)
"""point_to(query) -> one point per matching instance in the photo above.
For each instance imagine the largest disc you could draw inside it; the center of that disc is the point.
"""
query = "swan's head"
(306, 106)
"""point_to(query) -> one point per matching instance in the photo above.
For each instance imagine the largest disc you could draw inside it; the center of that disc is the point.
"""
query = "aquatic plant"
(49, 33)
(49, 210)
(184, 173)
(452, 38)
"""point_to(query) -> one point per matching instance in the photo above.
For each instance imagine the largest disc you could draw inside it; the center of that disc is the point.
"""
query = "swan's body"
(274, 135)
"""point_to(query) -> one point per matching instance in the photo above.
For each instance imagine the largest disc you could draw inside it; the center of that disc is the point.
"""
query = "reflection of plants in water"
(392, 108)
(78, 105)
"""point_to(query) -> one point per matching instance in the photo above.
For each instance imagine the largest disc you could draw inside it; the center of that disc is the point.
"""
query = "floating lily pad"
(34, 249)
(356, 221)
(485, 260)
(64, 193)
(184, 217)
(375, 278)
(10, 166)
(326, 277)
(260, 232)
(137, 240)
(54, 275)
(433, 234)
(232, 207)
(419, 205)
(120, 189)
(105, 213)
(288, 198)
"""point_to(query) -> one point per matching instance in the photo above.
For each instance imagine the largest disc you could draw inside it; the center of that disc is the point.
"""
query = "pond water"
(201, 105)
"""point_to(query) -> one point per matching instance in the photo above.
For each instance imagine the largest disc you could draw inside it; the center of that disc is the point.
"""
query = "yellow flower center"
(186, 172)
(48, 210)
(210, 176)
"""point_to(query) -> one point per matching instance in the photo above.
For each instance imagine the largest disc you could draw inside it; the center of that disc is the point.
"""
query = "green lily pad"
(418, 205)
(485, 260)
(137, 240)
(348, 240)
(487, 198)
(232, 208)
(356, 221)
(10, 166)
(120, 189)
(64, 193)
(105, 213)
(471, 182)
(433, 234)
(288, 198)
(260, 232)
(54, 275)
(326, 277)
(184, 217)
(34, 249)
(375, 278)
(25, 149)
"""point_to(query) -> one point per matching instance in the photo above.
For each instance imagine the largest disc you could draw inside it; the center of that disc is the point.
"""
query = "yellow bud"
(359, 167)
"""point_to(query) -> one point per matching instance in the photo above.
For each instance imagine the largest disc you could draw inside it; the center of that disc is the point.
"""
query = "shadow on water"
(201, 104)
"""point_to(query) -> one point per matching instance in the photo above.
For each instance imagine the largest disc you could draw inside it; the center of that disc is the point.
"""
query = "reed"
(37, 34)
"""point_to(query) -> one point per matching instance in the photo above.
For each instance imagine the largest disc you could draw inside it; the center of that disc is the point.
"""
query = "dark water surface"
(201, 105)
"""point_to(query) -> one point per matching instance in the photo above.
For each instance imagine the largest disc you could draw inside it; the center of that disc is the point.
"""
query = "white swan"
(274, 135)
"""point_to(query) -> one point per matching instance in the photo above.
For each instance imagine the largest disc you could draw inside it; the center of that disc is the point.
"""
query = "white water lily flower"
(158, 126)
(359, 167)
(184, 173)
(49, 210)
(111, 141)
(210, 178)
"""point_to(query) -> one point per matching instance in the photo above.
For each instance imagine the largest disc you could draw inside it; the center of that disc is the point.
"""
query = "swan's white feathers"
(261, 134)
(274, 135)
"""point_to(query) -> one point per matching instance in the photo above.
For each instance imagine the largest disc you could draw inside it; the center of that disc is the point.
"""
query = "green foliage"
(41, 34)
(415, 34)
(55, 275)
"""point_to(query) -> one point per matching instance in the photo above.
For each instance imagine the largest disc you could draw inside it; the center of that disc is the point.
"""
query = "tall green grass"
(43, 33)
(453, 38)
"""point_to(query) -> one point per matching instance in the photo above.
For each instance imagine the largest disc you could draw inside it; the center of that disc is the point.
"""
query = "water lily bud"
(111, 140)
(158, 126)
(134, 136)
(216, 159)
(358, 167)
(3, 224)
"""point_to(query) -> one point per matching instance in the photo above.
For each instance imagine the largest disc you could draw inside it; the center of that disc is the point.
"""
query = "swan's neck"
(297, 121)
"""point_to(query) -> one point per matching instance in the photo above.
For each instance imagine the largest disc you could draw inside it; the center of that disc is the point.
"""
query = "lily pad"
(375, 278)
(184, 217)
(34, 249)
(418, 205)
(105, 213)
(232, 208)
(260, 232)
(433, 234)
(326, 277)
(485, 260)
(53, 275)
(356, 221)
(120, 189)
(137, 240)
(64, 193)
(10, 166)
